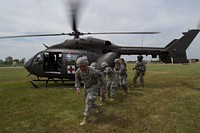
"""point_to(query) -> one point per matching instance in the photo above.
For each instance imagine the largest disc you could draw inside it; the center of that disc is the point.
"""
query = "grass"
(168, 103)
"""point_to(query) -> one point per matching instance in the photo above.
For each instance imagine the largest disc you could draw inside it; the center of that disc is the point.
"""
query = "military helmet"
(122, 59)
(116, 60)
(140, 57)
(104, 64)
(82, 61)
(94, 65)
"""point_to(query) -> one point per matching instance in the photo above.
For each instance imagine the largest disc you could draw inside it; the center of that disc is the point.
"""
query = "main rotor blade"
(74, 6)
(38, 35)
(120, 33)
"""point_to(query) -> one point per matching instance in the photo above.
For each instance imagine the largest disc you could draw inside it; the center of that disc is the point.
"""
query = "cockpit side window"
(38, 60)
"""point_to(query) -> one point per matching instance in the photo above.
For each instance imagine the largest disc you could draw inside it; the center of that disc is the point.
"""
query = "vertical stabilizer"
(177, 48)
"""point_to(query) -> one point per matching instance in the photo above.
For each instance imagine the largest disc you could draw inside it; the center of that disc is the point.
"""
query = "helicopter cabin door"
(52, 62)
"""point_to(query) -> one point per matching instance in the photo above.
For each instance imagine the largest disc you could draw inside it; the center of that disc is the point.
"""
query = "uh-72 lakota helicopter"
(57, 62)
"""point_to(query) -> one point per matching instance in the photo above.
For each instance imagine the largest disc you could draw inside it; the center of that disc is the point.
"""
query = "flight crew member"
(112, 83)
(90, 78)
(140, 69)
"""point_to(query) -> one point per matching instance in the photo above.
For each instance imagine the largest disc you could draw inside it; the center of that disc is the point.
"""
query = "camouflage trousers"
(90, 96)
(123, 83)
(138, 74)
(102, 92)
(111, 87)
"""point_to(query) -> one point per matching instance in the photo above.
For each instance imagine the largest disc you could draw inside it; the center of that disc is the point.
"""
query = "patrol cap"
(94, 65)
(82, 61)
(104, 64)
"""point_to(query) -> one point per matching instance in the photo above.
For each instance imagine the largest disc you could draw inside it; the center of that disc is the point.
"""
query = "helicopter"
(58, 62)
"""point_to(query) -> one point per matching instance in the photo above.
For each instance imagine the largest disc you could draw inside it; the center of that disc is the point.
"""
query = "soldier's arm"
(77, 79)
(99, 76)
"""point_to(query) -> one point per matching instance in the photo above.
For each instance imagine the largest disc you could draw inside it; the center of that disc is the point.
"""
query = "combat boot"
(84, 122)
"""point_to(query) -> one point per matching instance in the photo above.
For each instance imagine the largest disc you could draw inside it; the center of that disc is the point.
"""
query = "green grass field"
(169, 103)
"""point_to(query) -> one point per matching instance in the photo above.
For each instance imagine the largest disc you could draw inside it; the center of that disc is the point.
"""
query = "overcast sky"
(171, 18)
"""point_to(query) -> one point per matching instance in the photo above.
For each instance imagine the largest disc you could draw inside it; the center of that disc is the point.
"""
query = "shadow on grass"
(190, 85)
(137, 92)
(111, 120)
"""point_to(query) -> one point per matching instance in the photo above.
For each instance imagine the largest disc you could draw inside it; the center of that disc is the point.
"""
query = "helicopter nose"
(27, 64)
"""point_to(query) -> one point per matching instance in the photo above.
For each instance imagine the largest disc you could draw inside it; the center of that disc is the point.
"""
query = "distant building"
(194, 60)
(15, 62)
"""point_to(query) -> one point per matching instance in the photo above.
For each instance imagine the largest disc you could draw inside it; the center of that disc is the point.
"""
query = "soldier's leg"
(113, 88)
(135, 79)
(120, 82)
(112, 93)
(108, 88)
(142, 80)
(103, 98)
(125, 84)
(103, 93)
(94, 104)
(88, 105)
(87, 111)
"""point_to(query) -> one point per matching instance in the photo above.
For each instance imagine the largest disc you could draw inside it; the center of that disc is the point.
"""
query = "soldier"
(102, 87)
(123, 75)
(120, 69)
(90, 78)
(116, 69)
(140, 69)
(111, 85)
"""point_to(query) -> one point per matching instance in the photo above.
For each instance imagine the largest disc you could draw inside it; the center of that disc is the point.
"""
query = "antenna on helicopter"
(45, 45)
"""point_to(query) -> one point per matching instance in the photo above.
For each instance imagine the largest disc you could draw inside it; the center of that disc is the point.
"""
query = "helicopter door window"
(71, 58)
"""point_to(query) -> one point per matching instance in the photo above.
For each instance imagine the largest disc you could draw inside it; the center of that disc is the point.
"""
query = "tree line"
(9, 61)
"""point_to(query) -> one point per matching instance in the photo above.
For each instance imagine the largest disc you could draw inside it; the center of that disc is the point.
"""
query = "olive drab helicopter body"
(59, 61)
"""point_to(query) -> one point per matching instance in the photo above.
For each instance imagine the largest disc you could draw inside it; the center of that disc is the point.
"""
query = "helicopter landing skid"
(55, 80)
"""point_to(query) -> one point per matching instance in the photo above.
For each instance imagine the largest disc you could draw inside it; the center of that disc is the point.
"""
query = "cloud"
(198, 25)
(50, 16)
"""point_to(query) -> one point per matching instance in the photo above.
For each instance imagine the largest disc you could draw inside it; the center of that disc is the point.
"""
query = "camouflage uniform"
(140, 69)
(102, 86)
(123, 77)
(116, 69)
(112, 82)
(91, 78)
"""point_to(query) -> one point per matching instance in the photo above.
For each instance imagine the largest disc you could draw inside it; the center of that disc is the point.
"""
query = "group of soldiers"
(104, 82)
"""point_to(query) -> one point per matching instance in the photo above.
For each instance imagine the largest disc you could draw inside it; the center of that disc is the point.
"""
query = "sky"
(171, 18)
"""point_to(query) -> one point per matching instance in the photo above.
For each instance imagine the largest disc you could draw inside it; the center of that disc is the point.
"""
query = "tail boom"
(174, 52)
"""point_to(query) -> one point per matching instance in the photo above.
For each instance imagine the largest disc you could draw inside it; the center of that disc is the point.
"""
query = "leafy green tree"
(8, 60)
(1, 62)
(22, 61)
